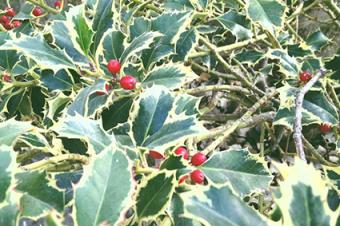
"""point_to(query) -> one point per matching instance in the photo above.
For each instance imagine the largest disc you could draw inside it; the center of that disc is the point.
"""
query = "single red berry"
(325, 127)
(6, 78)
(10, 11)
(8, 25)
(57, 4)
(305, 76)
(182, 179)
(197, 176)
(113, 66)
(16, 23)
(198, 159)
(156, 155)
(128, 82)
(182, 151)
(37, 11)
(4, 19)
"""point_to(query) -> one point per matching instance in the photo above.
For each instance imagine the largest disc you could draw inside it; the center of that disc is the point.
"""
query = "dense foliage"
(171, 112)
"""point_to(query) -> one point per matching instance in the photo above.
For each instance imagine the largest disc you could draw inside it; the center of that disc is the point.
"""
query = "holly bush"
(170, 112)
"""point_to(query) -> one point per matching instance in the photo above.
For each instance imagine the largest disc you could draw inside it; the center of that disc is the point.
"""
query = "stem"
(262, 139)
(213, 72)
(333, 7)
(45, 163)
(25, 84)
(298, 114)
(43, 5)
(203, 89)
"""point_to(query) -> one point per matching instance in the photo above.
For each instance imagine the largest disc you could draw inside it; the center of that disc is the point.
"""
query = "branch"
(203, 89)
(298, 113)
(333, 7)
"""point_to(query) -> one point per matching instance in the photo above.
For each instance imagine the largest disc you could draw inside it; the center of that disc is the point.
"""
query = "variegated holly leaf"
(149, 126)
(77, 127)
(220, 206)
(185, 44)
(38, 50)
(249, 56)
(186, 104)
(246, 173)
(154, 195)
(34, 140)
(298, 50)
(62, 80)
(102, 21)
(316, 108)
(172, 76)
(55, 105)
(9, 214)
(268, 13)
(38, 192)
(104, 190)
(334, 65)
(288, 65)
(8, 57)
(317, 40)
(303, 196)
(11, 129)
(7, 169)
(237, 24)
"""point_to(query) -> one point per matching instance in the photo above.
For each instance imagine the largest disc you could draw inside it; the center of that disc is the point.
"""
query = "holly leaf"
(317, 40)
(245, 173)
(303, 196)
(237, 24)
(104, 190)
(8, 57)
(11, 129)
(154, 195)
(220, 206)
(185, 44)
(249, 56)
(62, 80)
(176, 211)
(288, 65)
(7, 169)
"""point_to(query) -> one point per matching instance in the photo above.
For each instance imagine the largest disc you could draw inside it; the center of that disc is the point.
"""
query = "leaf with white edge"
(9, 214)
(37, 49)
(139, 26)
(317, 40)
(311, 65)
(171, 76)
(77, 127)
(186, 104)
(303, 196)
(11, 129)
(185, 44)
(246, 173)
(176, 211)
(36, 140)
(62, 80)
(220, 206)
(8, 57)
(80, 104)
(102, 21)
(55, 104)
(104, 190)
(112, 45)
(298, 50)
(82, 31)
(7, 169)
(64, 40)
(268, 13)
(249, 56)
(39, 193)
(288, 65)
(237, 24)
(154, 195)
(173, 162)
(117, 113)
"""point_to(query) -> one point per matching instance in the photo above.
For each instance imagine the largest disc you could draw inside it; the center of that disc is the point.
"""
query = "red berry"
(198, 159)
(182, 151)
(325, 127)
(197, 176)
(8, 25)
(305, 76)
(57, 4)
(16, 23)
(128, 82)
(182, 179)
(156, 155)
(113, 66)
(37, 11)
(6, 78)
(4, 19)
(10, 11)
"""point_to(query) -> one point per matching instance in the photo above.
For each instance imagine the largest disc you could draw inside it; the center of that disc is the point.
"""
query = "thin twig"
(298, 113)
(203, 89)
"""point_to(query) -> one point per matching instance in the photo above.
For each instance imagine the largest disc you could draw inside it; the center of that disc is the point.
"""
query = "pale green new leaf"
(7, 168)
(11, 129)
(37, 49)
(104, 190)
(220, 207)
(245, 172)
(154, 196)
(77, 127)
(237, 24)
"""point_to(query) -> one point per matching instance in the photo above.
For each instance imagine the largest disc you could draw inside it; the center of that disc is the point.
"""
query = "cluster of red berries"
(37, 11)
(127, 82)
(6, 20)
(197, 159)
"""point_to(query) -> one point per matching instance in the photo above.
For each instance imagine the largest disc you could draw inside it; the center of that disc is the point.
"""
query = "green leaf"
(102, 21)
(61, 80)
(249, 56)
(112, 45)
(117, 113)
(77, 127)
(9, 214)
(298, 50)
(173, 162)
(219, 206)
(104, 190)
(35, 140)
(317, 40)
(7, 168)
(176, 211)
(155, 195)
(55, 104)
(38, 50)
(8, 57)
(186, 104)
(185, 44)
(288, 65)
(38, 193)
(11, 129)
(171, 76)
(237, 24)
(245, 172)
(303, 196)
